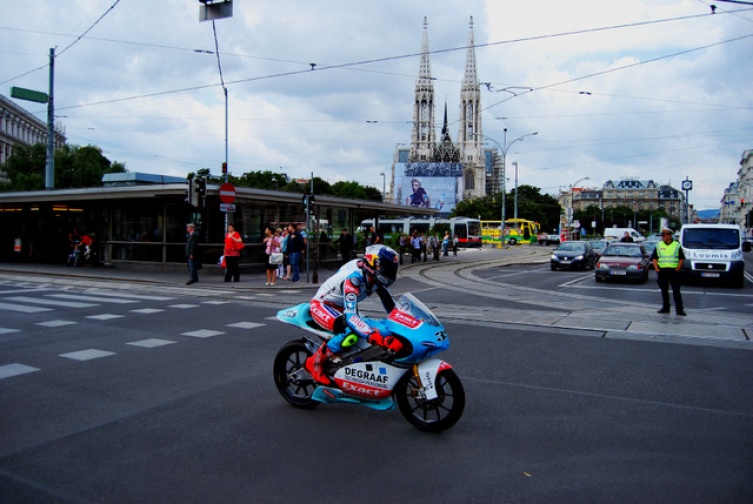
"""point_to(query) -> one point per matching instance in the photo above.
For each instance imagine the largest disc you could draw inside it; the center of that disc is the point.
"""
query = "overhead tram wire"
(616, 69)
(100, 18)
(320, 68)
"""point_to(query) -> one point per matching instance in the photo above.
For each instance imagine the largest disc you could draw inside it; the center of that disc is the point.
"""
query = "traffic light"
(224, 168)
(190, 193)
(201, 191)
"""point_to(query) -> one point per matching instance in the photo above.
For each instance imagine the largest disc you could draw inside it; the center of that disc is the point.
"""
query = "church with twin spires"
(446, 171)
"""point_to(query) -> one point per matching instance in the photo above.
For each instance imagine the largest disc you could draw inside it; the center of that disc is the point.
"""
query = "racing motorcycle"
(426, 390)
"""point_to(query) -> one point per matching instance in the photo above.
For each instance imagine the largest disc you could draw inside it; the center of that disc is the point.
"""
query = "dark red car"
(623, 261)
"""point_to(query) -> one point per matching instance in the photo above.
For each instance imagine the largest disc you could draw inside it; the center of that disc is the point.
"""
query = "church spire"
(470, 102)
(423, 139)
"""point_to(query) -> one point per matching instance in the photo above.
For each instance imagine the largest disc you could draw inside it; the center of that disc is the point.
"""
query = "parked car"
(573, 254)
(599, 246)
(549, 239)
(623, 261)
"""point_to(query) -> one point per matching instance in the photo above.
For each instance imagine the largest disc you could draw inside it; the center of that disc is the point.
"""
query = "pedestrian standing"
(346, 245)
(434, 243)
(296, 246)
(668, 258)
(445, 243)
(455, 242)
(415, 243)
(404, 241)
(233, 246)
(283, 271)
(272, 246)
(191, 258)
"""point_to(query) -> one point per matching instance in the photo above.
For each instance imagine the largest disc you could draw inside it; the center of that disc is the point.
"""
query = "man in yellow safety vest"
(668, 258)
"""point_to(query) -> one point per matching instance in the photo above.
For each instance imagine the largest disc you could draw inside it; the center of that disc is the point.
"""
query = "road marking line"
(85, 355)
(147, 311)
(141, 297)
(5, 330)
(51, 302)
(246, 325)
(15, 369)
(183, 306)
(202, 333)
(91, 298)
(151, 343)
(105, 316)
(56, 323)
(23, 308)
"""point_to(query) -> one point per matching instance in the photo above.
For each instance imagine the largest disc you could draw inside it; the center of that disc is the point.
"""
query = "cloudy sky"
(638, 89)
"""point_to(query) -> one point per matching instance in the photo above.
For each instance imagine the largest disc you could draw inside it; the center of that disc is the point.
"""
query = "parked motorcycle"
(426, 390)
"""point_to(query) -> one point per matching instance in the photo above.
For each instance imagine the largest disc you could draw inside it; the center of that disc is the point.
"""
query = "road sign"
(227, 193)
(227, 207)
(29, 95)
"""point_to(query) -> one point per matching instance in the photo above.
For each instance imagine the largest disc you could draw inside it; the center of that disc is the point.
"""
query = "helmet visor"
(386, 273)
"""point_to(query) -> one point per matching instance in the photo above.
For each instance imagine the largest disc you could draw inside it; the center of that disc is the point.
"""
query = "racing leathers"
(335, 308)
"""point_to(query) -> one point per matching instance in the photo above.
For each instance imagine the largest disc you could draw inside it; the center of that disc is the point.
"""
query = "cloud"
(137, 87)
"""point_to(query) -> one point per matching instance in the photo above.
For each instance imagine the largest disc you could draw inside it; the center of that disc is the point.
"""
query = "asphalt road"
(167, 396)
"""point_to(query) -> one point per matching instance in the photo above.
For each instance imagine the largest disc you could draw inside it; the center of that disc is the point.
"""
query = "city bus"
(466, 229)
(517, 231)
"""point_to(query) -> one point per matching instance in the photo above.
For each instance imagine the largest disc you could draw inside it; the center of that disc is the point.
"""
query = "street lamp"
(515, 165)
(504, 150)
(384, 187)
(572, 200)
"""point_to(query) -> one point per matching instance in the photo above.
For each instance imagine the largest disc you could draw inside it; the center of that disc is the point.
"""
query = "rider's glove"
(388, 342)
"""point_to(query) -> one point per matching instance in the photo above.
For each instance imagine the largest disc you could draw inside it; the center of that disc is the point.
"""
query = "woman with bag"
(233, 246)
(274, 254)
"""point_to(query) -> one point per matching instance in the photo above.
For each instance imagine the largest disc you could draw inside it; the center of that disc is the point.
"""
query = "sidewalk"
(212, 277)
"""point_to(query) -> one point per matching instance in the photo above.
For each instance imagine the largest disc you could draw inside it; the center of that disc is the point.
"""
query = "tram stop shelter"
(140, 220)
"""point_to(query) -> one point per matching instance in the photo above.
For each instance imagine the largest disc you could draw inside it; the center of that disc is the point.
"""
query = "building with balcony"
(736, 205)
(19, 127)
(636, 194)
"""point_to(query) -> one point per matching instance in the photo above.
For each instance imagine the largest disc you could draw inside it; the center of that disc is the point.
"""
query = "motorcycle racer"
(335, 305)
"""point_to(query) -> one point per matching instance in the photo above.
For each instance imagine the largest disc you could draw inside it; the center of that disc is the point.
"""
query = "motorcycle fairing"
(370, 380)
(330, 395)
(426, 372)
(300, 315)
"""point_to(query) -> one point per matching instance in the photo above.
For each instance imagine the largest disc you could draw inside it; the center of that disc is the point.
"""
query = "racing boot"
(315, 364)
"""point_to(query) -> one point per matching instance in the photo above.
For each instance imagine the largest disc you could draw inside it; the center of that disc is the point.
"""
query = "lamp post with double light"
(572, 204)
(504, 148)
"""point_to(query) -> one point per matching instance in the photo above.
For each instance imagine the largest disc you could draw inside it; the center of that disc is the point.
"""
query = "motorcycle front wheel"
(296, 389)
(435, 415)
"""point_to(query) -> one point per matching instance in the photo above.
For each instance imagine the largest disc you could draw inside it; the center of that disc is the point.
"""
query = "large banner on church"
(429, 185)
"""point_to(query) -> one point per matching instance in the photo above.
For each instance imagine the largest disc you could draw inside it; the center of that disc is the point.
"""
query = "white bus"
(467, 230)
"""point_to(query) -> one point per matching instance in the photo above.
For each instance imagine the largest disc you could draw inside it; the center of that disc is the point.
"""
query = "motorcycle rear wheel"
(435, 415)
(297, 391)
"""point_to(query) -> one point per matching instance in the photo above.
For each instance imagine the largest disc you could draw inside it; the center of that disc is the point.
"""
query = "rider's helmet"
(380, 262)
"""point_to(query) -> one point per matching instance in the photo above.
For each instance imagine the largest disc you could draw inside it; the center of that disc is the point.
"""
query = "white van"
(619, 233)
(713, 251)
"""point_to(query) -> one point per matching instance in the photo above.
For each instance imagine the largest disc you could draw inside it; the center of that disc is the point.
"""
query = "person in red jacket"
(233, 246)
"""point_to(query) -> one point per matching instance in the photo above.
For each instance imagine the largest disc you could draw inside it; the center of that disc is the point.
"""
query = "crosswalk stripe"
(51, 302)
(15, 369)
(141, 297)
(90, 298)
(85, 355)
(23, 308)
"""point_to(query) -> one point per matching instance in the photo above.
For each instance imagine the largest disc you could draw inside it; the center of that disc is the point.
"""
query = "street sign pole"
(49, 174)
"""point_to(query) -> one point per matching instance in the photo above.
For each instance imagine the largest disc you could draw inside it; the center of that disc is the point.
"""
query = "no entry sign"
(227, 193)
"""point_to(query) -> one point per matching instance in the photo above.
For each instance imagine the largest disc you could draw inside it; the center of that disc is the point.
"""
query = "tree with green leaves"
(532, 205)
(74, 167)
